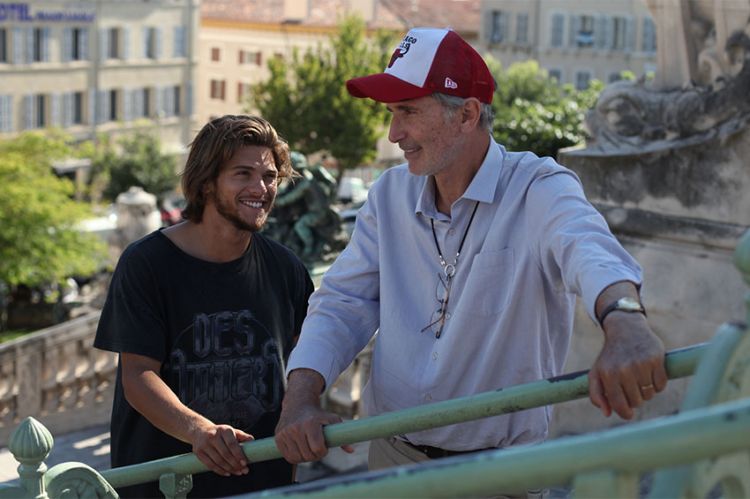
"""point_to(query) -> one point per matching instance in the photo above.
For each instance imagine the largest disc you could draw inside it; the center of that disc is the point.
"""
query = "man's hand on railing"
(299, 434)
(630, 366)
(218, 447)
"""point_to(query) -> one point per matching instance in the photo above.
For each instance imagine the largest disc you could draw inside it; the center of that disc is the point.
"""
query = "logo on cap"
(402, 49)
(450, 83)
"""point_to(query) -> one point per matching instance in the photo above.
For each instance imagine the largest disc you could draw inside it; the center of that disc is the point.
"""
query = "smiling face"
(429, 137)
(245, 189)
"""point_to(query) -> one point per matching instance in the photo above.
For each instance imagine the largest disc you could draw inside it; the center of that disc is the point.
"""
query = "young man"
(467, 259)
(204, 315)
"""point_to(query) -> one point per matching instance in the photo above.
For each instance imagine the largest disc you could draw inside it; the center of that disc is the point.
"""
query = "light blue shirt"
(534, 244)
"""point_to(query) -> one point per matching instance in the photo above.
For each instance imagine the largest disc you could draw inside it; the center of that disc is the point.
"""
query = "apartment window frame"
(557, 30)
(113, 97)
(114, 49)
(619, 33)
(586, 26)
(522, 28)
(648, 35)
(77, 118)
(580, 76)
(177, 99)
(247, 57)
(499, 27)
(218, 89)
(4, 37)
(215, 54)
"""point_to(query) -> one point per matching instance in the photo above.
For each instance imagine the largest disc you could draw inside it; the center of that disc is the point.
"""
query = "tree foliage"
(534, 113)
(135, 160)
(307, 101)
(39, 243)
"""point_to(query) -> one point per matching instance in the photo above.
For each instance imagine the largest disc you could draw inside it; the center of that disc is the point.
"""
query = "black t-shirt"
(223, 333)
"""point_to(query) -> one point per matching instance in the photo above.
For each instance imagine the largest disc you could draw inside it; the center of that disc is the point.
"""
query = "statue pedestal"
(679, 212)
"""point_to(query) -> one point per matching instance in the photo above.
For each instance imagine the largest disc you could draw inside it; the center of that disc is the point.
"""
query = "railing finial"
(30, 444)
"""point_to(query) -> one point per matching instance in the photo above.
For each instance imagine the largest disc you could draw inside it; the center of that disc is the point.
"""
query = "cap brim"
(384, 87)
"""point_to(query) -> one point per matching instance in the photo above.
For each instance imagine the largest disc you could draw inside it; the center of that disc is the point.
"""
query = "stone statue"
(303, 218)
(700, 90)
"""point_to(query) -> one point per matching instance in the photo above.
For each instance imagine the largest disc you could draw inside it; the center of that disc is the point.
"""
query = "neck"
(452, 182)
(211, 242)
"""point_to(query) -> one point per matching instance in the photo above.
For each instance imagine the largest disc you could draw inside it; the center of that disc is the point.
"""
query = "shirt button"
(434, 355)
(451, 231)
(447, 315)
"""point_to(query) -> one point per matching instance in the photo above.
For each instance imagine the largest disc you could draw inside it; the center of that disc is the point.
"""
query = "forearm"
(304, 388)
(149, 395)
(613, 293)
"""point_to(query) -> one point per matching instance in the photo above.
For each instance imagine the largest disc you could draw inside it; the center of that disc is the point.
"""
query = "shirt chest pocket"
(489, 283)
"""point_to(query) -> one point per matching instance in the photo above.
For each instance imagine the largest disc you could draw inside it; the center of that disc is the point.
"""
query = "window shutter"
(66, 54)
(28, 111)
(189, 100)
(18, 46)
(127, 107)
(55, 110)
(67, 110)
(600, 32)
(158, 43)
(45, 44)
(573, 32)
(630, 34)
(83, 43)
(125, 52)
(29, 45)
(103, 44)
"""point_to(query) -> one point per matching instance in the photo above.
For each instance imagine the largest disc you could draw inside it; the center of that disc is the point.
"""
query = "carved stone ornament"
(77, 480)
(632, 117)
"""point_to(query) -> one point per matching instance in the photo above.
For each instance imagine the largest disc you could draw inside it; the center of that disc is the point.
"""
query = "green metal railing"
(602, 464)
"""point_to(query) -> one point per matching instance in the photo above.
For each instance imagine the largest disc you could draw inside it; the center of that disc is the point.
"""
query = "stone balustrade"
(57, 376)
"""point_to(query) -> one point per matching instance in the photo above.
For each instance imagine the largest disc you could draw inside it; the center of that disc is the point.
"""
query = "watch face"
(629, 304)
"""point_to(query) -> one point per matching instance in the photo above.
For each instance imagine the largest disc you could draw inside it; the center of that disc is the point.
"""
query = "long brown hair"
(215, 144)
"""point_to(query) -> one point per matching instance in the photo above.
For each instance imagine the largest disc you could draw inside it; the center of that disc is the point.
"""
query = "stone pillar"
(137, 215)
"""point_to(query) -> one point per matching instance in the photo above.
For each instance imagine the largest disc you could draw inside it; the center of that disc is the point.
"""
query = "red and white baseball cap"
(428, 60)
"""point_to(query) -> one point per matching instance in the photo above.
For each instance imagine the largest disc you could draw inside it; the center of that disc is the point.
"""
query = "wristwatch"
(624, 304)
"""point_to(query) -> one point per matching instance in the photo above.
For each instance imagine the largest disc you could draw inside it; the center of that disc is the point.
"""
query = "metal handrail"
(679, 363)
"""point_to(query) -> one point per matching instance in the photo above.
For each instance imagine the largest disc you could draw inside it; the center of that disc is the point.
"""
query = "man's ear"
(470, 114)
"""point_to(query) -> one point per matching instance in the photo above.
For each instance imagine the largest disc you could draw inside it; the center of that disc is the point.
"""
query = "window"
(558, 29)
(218, 88)
(145, 107)
(613, 77)
(80, 44)
(3, 45)
(151, 43)
(522, 28)
(35, 111)
(648, 43)
(583, 78)
(176, 100)
(215, 54)
(243, 91)
(583, 31)
(77, 114)
(112, 105)
(249, 57)
(499, 31)
(619, 33)
(6, 113)
(72, 109)
(179, 48)
(555, 74)
(113, 43)
(38, 45)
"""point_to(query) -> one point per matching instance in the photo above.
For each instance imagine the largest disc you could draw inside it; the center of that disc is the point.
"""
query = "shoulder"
(270, 249)
(153, 246)
(541, 175)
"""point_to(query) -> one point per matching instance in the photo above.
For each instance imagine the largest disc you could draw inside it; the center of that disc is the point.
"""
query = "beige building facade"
(104, 66)
(237, 39)
(574, 40)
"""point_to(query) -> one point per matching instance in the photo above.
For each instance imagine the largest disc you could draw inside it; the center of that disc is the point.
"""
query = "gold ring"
(646, 387)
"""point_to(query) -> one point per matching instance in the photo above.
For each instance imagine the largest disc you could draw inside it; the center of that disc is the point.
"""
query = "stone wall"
(57, 376)
(680, 213)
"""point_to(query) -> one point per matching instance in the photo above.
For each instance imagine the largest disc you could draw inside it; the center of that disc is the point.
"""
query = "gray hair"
(450, 103)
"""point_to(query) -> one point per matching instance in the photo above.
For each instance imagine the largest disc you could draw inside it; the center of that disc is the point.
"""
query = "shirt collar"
(482, 188)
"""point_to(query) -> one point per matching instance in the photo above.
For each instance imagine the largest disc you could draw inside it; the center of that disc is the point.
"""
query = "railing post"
(30, 444)
(175, 485)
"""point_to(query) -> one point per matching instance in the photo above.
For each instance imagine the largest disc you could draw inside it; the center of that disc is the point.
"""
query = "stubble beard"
(229, 213)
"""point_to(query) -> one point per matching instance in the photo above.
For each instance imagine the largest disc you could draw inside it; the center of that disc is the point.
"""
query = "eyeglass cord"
(450, 269)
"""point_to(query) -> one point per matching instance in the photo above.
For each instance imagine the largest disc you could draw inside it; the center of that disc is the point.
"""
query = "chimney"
(296, 11)
(364, 8)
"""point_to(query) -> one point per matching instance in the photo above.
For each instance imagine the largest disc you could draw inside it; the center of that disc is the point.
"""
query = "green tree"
(39, 242)
(534, 113)
(134, 160)
(307, 101)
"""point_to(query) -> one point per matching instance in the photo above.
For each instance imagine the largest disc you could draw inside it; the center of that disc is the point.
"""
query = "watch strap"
(615, 305)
